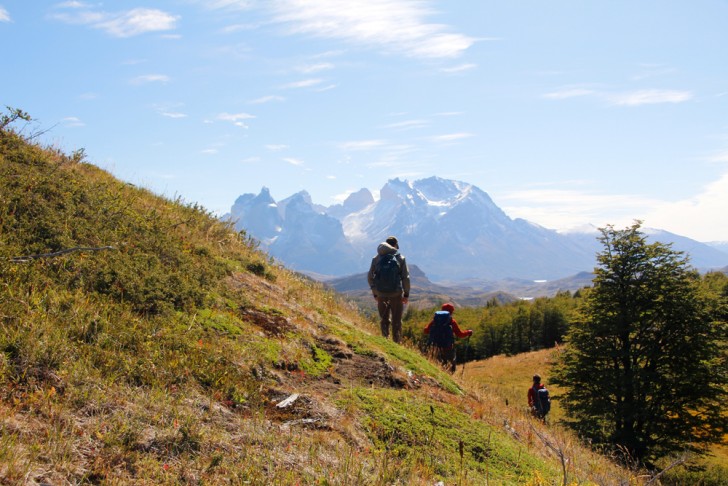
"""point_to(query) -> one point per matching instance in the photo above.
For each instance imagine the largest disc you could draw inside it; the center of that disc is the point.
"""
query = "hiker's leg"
(447, 358)
(397, 307)
(453, 359)
(383, 308)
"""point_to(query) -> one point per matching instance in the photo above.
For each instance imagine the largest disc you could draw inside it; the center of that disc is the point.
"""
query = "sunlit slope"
(143, 341)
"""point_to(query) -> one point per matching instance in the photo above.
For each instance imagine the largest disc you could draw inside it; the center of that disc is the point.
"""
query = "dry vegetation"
(508, 378)
(176, 353)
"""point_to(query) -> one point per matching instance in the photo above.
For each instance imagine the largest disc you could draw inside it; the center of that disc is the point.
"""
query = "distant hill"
(450, 229)
(424, 292)
(719, 245)
(471, 293)
(143, 341)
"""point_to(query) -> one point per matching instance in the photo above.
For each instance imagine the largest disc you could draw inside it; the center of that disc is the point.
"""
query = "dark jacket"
(384, 249)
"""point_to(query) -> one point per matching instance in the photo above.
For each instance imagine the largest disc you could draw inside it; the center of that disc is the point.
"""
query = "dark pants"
(446, 356)
(390, 309)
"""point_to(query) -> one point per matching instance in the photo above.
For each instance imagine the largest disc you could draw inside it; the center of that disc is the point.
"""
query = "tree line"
(645, 360)
(505, 328)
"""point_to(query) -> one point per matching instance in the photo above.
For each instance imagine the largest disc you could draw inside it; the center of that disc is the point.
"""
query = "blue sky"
(565, 112)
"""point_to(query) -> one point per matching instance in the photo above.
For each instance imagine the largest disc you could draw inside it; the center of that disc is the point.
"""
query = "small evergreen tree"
(645, 368)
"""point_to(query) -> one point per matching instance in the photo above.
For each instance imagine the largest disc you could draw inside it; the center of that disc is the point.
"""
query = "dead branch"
(557, 449)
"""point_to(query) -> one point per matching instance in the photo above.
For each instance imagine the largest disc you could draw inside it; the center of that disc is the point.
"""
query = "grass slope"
(509, 377)
(143, 341)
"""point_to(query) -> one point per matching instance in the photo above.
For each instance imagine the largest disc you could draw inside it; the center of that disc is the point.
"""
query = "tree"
(645, 366)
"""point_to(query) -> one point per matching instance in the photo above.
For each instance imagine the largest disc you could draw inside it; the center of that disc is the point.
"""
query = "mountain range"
(452, 230)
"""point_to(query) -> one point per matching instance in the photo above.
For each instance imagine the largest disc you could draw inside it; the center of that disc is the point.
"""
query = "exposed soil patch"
(368, 370)
(296, 410)
(272, 324)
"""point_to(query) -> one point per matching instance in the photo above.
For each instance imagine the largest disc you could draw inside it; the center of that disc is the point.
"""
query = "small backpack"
(387, 274)
(543, 401)
(441, 334)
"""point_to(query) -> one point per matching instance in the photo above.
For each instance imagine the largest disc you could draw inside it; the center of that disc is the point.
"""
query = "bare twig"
(557, 449)
(27, 258)
(680, 460)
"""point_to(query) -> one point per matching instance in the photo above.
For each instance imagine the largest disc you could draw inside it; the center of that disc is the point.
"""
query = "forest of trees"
(511, 328)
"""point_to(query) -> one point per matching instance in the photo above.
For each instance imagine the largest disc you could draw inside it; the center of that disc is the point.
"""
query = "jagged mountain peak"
(452, 229)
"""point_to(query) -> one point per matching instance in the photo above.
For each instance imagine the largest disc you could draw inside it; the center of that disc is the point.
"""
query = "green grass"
(143, 341)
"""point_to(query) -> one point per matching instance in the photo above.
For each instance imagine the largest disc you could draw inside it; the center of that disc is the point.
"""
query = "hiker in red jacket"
(442, 330)
(539, 403)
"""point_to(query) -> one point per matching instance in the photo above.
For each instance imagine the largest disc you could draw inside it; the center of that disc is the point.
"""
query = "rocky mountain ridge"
(451, 229)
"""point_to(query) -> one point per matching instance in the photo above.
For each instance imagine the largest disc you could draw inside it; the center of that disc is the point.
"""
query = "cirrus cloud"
(624, 98)
(122, 24)
(395, 25)
(398, 26)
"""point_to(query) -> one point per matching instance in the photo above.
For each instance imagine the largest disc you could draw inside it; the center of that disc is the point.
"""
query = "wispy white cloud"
(266, 99)
(150, 78)
(567, 207)
(210, 151)
(73, 4)
(328, 87)
(357, 145)
(4, 15)
(276, 147)
(698, 217)
(292, 161)
(625, 98)
(574, 205)
(173, 114)
(315, 68)
(451, 137)
(229, 4)
(304, 83)
(72, 122)
(232, 29)
(236, 118)
(407, 125)
(395, 25)
(126, 23)
(460, 68)
(399, 26)
(650, 97)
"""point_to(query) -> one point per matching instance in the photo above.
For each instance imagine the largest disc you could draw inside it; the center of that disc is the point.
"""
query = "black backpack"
(387, 274)
(441, 334)
(543, 401)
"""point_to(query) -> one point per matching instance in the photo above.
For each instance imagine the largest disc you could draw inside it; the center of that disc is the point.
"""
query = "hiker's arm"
(427, 328)
(458, 332)
(370, 276)
(405, 280)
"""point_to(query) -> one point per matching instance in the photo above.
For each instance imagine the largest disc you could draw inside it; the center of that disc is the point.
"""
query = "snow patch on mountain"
(451, 229)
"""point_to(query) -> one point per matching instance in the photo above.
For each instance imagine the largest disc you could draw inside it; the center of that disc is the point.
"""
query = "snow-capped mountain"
(297, 232)
(450, 229)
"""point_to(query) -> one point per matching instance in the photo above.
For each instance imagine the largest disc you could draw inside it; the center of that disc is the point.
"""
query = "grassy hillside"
(510, 376)
(143, 341)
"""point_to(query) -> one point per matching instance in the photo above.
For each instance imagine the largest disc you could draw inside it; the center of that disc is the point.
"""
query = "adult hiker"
(443, 330)
(389, 280)
(539, 402)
